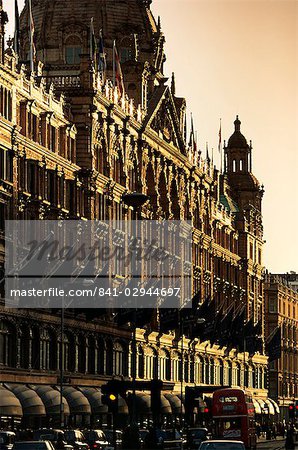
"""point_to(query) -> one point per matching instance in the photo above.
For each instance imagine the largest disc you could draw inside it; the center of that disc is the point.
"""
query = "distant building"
(281, 310)
(70, 147)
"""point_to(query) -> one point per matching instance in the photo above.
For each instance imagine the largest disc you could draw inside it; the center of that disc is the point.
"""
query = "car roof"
(226, 441)
(31, 442)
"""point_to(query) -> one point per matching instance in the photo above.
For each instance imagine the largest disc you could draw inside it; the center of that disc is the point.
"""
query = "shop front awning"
(176, 404)
(165, 405)
(78, 403)
(94, 397)
(270, 406)
(257, 406)
(10, 405)
(32, 404)
(51, 399)
(143, 403)
(276, 407)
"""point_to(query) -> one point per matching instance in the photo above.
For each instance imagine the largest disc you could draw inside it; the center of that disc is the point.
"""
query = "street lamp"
(197, 321)
(134, 200)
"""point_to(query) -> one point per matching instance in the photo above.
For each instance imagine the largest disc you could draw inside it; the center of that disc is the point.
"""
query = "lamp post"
(134, 200)
(198, 321)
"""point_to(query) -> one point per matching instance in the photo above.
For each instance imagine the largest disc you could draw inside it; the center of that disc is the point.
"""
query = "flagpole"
(114, 63)
(219, 145)
(31, 37)
(17, 29)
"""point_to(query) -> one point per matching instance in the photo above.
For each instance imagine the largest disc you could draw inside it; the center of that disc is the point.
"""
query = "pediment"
(162, 118)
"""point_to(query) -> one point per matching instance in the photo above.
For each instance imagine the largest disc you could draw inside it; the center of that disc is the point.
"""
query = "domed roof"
(237, 140)
(56, 20)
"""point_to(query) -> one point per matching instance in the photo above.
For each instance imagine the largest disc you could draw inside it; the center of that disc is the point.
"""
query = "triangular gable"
(163, 119)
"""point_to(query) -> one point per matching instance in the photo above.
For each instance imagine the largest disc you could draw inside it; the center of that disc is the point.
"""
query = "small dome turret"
(237, 140)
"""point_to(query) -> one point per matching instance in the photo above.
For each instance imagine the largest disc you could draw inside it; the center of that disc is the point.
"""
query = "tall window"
(7, 344)
(141, 362)
(72, 54)
(73, 49)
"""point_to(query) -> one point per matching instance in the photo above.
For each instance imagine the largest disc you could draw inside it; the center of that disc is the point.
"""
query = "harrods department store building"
(70, 147)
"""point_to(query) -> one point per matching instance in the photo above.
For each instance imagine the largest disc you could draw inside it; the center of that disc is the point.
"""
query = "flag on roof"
(117, 72)
(31, 38)
(102, 62)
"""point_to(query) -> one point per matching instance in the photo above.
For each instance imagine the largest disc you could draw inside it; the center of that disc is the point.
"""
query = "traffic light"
(292, 411)
(296, 408)
(111, 400)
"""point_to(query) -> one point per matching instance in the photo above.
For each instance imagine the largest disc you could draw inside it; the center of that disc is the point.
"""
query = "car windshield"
(96, 435)
(6, 438)
(30, 446)
(73, 435)
(198, 434)
(45, 435)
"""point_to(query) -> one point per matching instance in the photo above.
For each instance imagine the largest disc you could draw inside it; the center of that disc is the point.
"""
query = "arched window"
(234, 165)
(212, 371)
(165, 365)
(25, 345)
(69, 352)
(221, 372)
(238, 375)
(91, 354)
(141, 363)
(82, 354)
(229, 373)
(101, 356)
(109, 357)
(7, 344)
(199, 370)
(151, 364)
(186, 368)
(119, 358)
(73, 50)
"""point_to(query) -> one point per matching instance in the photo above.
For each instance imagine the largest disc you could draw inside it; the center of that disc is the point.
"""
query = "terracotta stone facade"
(70, 147)
(281, 308)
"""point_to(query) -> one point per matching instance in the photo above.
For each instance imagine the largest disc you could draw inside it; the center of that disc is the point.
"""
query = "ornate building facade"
(71, 146)
(281, 307)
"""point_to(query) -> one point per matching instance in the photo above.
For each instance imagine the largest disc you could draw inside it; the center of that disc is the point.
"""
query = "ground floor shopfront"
(34, 406)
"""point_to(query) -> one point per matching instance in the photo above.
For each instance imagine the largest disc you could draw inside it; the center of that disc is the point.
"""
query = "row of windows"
(101, 356)
(40, 130)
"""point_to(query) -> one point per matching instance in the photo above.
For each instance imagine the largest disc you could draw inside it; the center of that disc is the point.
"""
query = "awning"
(271, 408)
(51, 399)
(78, 403)
(263, 406)
(276, 407)
(143, 403)
(257, 406)
(122, 406)
(31, 402)
(165, 405)
(175, 402)
(10, 405)
(94, 398)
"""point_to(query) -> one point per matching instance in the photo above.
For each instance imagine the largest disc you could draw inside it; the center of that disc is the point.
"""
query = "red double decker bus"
(234, 416)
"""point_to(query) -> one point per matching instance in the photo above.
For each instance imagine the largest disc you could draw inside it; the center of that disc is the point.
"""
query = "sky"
(241, 57)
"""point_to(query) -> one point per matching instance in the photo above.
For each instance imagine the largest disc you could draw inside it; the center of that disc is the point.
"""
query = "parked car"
(109, 434)
(52, 435)
(96, 439)
(163, 439)
(33, 445)
(194, 437)
(7, 439)
(76, 439)
(221, 445)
